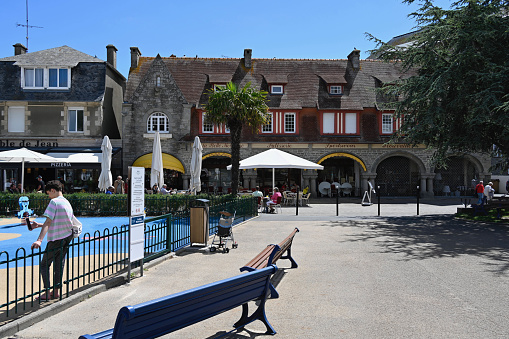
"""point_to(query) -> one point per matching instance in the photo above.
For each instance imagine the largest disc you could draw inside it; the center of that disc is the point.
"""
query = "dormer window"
(33, 78)
(217, 86)
(45, 77)
(335, 89)
(277, 89)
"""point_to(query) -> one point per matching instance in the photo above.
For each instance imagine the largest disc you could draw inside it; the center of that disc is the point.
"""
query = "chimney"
(247, 57)
(354, 59)
(111, 55)
(135, 57)
(19, 49)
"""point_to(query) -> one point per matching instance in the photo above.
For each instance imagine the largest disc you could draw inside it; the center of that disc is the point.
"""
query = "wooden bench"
(168, 314)
(270, 255)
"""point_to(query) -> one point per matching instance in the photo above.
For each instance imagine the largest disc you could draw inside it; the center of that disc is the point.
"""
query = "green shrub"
(101, 204)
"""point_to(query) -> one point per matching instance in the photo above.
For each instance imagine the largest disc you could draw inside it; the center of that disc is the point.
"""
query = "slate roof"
(305, 80)
(88, 76)
(58, 56)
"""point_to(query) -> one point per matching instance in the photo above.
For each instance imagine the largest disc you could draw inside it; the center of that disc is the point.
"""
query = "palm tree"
(237, 107)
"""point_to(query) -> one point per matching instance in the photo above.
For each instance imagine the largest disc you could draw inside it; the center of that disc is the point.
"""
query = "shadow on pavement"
(428, 237)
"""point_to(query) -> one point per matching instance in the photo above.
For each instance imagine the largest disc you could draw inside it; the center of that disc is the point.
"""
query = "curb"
(24, 322)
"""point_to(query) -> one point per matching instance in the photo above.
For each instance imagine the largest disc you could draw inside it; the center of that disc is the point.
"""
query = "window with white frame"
(335, 89)
(328, 123)
(350, 123)
(289, 122)
(206, 126)
(267, 128)
(217, 86)
(16, 119)
(276, 89)
(387, 123)
(76, 119)
(45, 77)
(58, 78)
(158, 122)
(33, 78)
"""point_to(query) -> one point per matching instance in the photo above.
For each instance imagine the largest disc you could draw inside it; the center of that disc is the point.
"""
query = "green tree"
(456, 95)
(237, 107)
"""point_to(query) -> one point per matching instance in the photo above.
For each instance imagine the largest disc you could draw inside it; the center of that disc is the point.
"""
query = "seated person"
(155, 189)
(164, 190)
(14, 189)
(273, 200)
(110, 190)
(257, 192)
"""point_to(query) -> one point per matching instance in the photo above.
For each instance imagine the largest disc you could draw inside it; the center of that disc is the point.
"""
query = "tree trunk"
(235, 133)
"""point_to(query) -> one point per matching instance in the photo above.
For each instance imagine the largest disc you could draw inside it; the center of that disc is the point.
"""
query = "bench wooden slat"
(270, 255)
(261, 260)
(168, 314)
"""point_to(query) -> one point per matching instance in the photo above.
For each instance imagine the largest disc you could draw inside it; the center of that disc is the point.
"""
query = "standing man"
(479, 190)
(119, 185)
(40, 185)
(58, 225)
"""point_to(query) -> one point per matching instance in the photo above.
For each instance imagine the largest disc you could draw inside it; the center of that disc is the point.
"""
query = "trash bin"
(200, 222)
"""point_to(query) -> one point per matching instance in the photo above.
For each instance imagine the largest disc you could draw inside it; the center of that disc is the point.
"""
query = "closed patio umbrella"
(195, 167)
(105, 179)
(156, 172)
(22, 155)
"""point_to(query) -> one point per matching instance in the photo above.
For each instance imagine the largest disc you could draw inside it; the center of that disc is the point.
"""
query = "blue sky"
(319, 29)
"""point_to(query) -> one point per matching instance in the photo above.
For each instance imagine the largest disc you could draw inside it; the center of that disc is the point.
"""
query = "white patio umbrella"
(274, 158)
(22, 155)
(156, 172)
(105, 179)
(195, 167)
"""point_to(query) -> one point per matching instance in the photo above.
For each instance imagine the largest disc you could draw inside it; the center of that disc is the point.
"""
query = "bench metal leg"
(259, 314)
(289, 257)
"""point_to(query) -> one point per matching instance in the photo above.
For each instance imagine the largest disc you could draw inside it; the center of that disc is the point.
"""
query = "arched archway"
(214, 175)
(398, 175)
(173, 169)
(461, 175)
(342, 168)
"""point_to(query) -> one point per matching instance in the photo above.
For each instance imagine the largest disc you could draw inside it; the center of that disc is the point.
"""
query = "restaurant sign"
(27, 143)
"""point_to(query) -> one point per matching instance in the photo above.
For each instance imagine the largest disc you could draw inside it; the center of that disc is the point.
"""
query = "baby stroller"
(224, 232)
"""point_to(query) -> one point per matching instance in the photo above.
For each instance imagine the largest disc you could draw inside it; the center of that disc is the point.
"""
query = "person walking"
(58, 227)
(119, 185)
(489, 191)
(40, 186)
(479, 190)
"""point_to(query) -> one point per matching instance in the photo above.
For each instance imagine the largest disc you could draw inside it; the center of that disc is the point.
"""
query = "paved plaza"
(359, 276)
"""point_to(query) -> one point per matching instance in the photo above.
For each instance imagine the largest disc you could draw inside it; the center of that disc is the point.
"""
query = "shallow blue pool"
(90, 225)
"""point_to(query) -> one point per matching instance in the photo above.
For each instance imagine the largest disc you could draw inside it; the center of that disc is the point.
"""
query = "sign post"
(136, 202)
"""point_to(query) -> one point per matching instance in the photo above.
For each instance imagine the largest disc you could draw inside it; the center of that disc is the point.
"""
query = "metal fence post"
(379, 193)
(337, 203)
(418, 195)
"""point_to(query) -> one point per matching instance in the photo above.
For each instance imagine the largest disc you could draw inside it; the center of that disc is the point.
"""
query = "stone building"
(325, 111)
(60, 102)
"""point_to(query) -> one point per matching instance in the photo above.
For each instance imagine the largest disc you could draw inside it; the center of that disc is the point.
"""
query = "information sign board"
(137, 213)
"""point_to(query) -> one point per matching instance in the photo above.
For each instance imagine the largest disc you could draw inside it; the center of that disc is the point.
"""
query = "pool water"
(90, 225)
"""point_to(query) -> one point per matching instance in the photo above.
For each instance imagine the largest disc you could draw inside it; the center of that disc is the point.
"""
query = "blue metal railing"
(93, 257)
